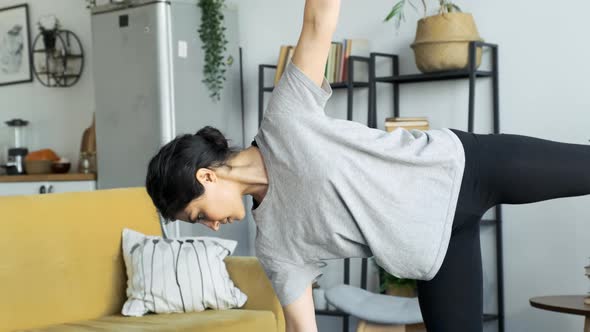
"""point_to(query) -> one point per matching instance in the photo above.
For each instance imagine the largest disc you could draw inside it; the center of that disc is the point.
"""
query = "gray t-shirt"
(338, 189)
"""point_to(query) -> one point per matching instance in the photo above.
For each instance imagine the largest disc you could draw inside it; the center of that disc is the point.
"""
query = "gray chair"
(377, 312)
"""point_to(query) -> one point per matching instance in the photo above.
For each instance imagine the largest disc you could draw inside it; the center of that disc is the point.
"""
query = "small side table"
(570, 304)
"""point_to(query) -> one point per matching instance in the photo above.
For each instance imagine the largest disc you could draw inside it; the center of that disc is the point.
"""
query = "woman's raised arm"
(319, 23)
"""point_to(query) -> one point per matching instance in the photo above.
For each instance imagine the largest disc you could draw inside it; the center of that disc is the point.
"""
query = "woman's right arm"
(320, 18)
(300, 315)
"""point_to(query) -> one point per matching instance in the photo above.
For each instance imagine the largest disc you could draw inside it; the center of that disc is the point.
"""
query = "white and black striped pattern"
(178, 275)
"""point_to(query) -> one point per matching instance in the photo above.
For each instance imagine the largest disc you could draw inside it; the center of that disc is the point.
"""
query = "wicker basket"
(442, 42)
(38, 166)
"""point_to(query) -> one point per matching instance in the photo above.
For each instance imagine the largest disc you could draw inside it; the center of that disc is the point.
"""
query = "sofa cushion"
(184, 274)
(209, 320)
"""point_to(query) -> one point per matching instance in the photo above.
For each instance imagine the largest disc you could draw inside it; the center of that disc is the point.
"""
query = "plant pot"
(403, 291)
(442, 42)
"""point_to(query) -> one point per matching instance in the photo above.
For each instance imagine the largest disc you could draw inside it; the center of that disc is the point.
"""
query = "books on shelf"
(336, 63)
(420, 123)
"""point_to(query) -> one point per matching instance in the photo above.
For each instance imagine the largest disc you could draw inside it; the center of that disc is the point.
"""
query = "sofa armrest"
(249, 276)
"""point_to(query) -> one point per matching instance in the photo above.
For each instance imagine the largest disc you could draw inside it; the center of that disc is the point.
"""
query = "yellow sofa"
(62, 269)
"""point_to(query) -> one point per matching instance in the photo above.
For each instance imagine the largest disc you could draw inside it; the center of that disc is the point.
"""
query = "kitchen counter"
(48, 177)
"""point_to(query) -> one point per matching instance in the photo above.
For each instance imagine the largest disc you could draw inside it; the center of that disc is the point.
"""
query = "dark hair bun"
(214, 137)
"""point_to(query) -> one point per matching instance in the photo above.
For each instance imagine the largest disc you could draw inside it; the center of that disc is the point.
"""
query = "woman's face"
(220, 203)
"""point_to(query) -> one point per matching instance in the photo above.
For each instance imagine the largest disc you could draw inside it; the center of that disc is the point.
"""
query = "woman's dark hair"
(170, 179)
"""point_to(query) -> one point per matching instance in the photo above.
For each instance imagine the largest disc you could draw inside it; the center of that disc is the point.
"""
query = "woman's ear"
(204, 175)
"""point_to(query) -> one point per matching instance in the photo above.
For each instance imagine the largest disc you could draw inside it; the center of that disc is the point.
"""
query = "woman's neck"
(248, 172)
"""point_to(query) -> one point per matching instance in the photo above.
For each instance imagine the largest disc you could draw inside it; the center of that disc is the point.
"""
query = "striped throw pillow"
(182, 274)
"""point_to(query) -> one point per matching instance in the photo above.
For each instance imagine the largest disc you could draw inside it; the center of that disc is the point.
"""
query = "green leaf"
(396, 10)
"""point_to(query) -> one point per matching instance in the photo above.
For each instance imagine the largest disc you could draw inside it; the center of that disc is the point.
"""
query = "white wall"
(543, 93)
(58, 116)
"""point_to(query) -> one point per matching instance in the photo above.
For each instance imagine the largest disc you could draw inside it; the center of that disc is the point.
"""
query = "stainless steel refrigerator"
(148, 71)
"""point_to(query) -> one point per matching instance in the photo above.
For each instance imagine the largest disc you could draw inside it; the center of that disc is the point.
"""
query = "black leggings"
(499, 169)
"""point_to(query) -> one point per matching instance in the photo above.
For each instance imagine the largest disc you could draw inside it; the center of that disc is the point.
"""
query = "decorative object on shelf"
(212, 34)
(49, 27)
(87, 162)
(61, 166)
(442, 40)
(40, 161)
(38, 166)
(88, 143)
(58, 56)
(15, 45)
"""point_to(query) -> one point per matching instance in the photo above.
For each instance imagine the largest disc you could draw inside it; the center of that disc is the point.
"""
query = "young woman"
(325, 188)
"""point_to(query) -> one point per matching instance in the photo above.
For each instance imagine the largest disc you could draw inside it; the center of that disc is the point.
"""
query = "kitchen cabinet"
(30, 188)
(30, 185)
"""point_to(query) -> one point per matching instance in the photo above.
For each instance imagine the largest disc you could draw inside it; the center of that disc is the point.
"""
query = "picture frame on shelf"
(15, 45)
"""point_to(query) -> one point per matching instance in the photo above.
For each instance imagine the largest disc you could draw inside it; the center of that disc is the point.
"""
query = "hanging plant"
(212, 34)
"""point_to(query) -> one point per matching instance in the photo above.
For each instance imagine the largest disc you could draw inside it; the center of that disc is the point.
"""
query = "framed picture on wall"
(15, 45)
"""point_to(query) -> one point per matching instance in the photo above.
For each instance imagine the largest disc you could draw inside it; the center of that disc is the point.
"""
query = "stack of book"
(420, 123)
(336, 63)
(587, 272)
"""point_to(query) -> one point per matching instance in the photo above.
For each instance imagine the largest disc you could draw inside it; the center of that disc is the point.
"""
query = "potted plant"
(212, 34)
(49, 26)
(394, 286)
(442, 40)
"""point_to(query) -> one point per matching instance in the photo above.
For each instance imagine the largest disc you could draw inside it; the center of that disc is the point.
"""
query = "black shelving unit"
(349, 85)
(471, 73)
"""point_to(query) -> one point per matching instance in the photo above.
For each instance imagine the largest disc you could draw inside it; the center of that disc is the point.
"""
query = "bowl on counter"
(38, 166)
(60, 167)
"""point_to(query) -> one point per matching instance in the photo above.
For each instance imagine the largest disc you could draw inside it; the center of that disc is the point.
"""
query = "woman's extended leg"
(522, 169)
(453, 299)
(500, 169)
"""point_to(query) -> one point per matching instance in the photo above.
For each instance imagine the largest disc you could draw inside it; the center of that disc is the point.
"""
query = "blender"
(17, 150)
